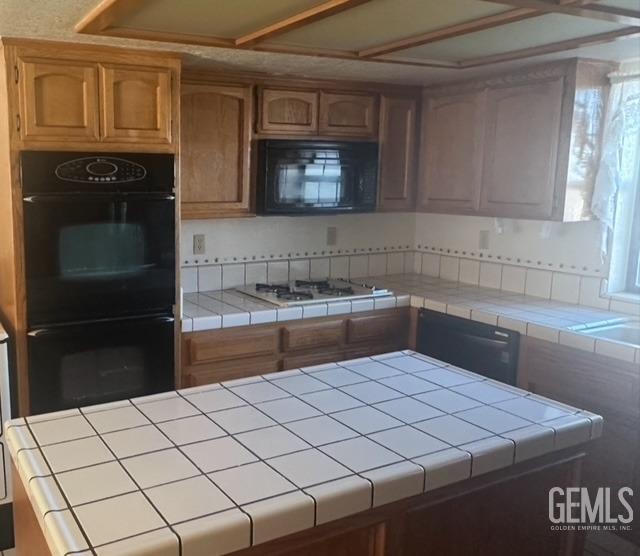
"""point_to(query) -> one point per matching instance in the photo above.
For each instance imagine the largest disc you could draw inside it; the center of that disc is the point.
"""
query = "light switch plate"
(198, 244)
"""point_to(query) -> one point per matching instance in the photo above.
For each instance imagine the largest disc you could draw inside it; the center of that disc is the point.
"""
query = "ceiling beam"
(451, 31)
(106, 14)
(347, 55)
(316, 13)
(561, 46)
(580, 9)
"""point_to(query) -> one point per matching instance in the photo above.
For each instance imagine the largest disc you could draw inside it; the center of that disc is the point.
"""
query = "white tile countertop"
(221, 467)
(540, 318)
(227, 308)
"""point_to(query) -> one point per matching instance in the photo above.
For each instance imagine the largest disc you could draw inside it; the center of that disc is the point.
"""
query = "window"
(616, 198)
(633, 262)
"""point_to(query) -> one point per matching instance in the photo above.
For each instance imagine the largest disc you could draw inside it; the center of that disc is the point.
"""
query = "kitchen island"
(393, 454)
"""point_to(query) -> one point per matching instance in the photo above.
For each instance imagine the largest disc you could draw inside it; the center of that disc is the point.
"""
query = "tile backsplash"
(541, 259)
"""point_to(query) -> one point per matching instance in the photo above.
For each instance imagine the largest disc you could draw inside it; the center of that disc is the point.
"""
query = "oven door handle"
(127, 196)
(37, 332)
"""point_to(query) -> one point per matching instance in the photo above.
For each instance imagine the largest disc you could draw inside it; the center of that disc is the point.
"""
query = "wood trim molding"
(551, 48)
(316, 13)
(105, 14)
(449, 32)
(579, 9)
(103, 20)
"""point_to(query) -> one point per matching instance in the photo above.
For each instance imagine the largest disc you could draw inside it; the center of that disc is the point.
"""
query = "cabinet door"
(451, 161)
(520, 150)
(283, 111)
(58, 100)
(396, 186)
(136, 104)
(215, 146)
(343, 114)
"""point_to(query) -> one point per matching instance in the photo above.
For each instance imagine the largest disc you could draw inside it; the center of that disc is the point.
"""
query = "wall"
(274, 249)
(246, 250)
(279, 237)
(572, 247)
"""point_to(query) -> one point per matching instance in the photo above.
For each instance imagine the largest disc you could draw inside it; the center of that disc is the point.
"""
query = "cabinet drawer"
(376, 327)
(229, 370)
(313, 335)
(220, 346)
(308, 359)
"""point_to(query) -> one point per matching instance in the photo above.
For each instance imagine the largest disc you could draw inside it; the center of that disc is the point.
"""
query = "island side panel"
(502, 513)
(30, 540)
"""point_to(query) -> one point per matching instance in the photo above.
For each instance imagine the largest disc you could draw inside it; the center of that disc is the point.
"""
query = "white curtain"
(617, 175)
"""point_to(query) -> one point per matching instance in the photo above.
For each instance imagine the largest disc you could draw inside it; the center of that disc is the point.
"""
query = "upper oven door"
(98, 256)
(316, 177)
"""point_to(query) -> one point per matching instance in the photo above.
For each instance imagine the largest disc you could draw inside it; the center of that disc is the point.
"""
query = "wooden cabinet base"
(501, 513)
(216, 355)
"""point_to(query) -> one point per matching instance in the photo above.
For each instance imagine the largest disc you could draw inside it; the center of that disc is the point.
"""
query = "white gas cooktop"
(305, 292)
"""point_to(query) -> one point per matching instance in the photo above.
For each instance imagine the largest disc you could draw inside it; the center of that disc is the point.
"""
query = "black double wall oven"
(100, 274)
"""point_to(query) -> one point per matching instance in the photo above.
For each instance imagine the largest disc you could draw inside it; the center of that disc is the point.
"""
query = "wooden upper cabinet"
(396, 185)
(58, 100)
(348, 114)
(287, 111)
(215, 146)
(451, 157)
(520, 150)
(136, 104)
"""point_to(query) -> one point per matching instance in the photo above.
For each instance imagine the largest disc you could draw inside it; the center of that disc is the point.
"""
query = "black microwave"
(316, 177)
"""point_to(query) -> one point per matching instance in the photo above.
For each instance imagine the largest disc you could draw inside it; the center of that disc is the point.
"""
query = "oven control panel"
(100, 169)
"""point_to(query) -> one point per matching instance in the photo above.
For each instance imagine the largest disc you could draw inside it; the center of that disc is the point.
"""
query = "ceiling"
(399, 41)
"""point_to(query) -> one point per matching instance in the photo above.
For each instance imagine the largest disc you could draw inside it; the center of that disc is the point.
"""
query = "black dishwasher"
(488, 350)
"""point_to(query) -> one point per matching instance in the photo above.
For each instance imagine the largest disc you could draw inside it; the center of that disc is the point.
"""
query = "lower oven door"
(101, 361)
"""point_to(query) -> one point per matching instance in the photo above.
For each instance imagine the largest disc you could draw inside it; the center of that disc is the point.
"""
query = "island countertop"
(219, 468)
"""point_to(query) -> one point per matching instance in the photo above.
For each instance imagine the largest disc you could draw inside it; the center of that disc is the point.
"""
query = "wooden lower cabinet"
(479, 516)
(215, 355)
(603, 385)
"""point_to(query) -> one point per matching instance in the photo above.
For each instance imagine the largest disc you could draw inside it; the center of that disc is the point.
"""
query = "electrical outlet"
(198, 244)
(483, 239)
(332, 235)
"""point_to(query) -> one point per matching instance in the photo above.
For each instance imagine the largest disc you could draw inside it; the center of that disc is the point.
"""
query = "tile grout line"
(64, 496)
(135, 482)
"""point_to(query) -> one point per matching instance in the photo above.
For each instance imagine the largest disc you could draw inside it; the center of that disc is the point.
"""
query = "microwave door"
(303, 186)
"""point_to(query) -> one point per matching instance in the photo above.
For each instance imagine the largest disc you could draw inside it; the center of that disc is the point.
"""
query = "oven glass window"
(101, 251)
(94, 257)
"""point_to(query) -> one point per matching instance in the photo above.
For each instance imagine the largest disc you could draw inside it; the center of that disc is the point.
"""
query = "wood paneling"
(376, 328)
(58, 100)
(215, 144)
(230, 370)
(232, 344)
(398, 141)
(214, 355)
(348, 114)
(136, 104)
(606, 386)
(520, 150)
(288, 111)
(314, 335)
(451, 152)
